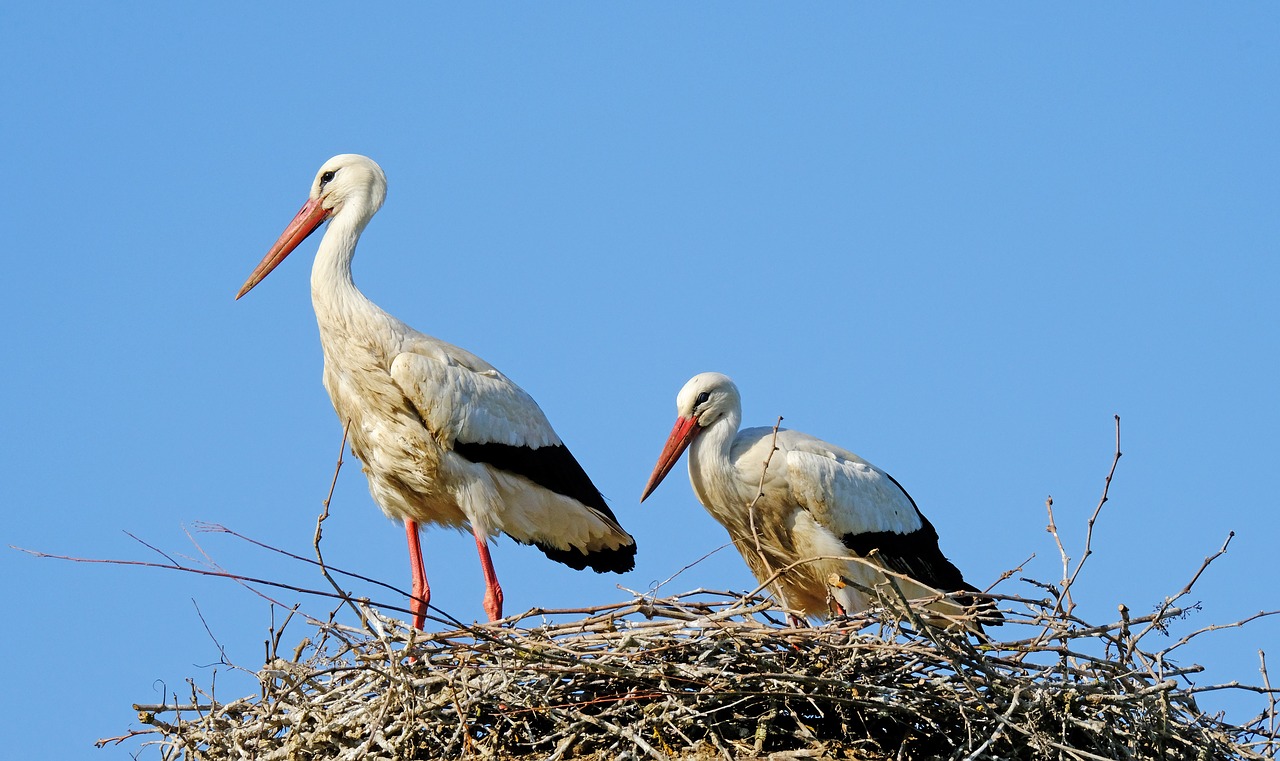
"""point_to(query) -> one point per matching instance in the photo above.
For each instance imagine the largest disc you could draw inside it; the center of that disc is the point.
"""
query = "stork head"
(706, 399)
(348, 184)
(350, 180)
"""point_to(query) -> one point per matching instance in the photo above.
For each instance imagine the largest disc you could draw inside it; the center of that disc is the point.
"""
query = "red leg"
(421, 592)
(492, 592)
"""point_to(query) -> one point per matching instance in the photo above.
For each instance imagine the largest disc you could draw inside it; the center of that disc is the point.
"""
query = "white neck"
(711, 469)
(333, 291)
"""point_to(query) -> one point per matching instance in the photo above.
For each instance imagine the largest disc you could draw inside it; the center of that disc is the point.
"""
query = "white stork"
(821, 504)
(444, 437)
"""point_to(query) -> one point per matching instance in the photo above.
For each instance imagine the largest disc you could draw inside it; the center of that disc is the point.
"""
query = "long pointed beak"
(311, 216)
(684, 431)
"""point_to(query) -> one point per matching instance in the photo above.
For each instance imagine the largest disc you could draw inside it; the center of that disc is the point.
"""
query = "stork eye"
(326, 178)
(702, 398)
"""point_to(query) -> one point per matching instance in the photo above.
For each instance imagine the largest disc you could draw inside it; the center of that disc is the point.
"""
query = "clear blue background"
(956, 239)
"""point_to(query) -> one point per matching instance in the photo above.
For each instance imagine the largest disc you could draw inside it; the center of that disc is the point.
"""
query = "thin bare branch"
(198, 572)
(1273, 740)
(1162, 612)
(751, 508)
(324, 514)
(1106, 488)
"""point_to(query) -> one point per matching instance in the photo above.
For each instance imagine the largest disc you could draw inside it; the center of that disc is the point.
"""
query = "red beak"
(686, 428)
(304, 223)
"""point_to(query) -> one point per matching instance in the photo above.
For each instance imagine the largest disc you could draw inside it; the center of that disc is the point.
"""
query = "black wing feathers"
(618, 560)
(556, 469)
(917, 554)
(551, 468)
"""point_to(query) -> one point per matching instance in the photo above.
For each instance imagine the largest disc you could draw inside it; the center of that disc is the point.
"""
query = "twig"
(751, 508)
(1186, 590)
(653, 591)
(217, 528)
(1273, 739)
(153, 548)
(1088, 536)
(1216, 627)
(1063, 591)
(1004, 723)
(1065, 602)
(117, 740)
(199, 572)
(342, 593)
(222, 651)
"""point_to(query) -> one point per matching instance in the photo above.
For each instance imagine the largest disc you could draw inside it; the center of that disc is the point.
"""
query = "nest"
(716, 675)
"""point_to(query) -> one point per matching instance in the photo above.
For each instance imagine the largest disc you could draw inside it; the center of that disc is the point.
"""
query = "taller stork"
(444, 437)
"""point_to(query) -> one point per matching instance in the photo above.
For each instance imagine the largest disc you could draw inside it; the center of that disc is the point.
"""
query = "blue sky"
(956, 240)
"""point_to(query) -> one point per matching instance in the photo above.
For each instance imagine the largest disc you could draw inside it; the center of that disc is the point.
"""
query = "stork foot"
(493, 602)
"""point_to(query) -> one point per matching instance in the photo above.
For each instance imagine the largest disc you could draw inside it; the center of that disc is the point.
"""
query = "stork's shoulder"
(805, 444)
(462, 398)
(843, 491)
(413, 342)
(753, 446)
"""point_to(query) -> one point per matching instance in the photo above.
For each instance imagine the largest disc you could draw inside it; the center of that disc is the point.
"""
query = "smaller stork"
(826, 521)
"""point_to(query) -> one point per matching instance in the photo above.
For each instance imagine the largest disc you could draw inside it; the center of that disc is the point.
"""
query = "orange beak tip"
(305, 222)
(682, 434)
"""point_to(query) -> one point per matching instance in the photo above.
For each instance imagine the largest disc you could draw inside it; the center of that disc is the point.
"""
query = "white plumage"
(820, 506)
(444, 437)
